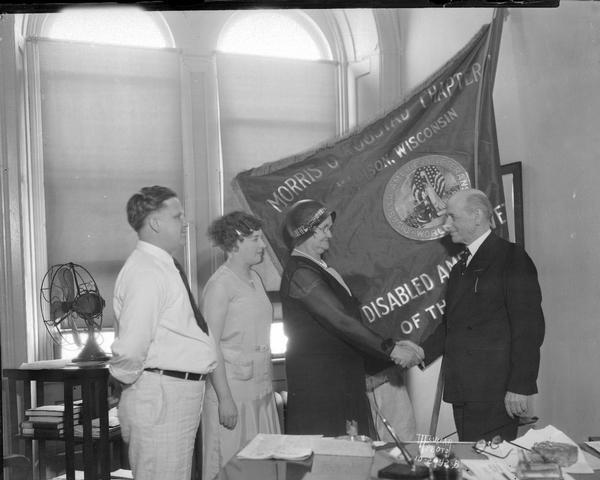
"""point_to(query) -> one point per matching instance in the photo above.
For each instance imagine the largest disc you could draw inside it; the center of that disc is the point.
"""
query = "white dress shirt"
(474, 246)
(155, 324)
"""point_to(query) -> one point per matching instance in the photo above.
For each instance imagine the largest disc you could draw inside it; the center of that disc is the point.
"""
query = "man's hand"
(412, 345)
(516, 404)
(407, 354)
(228, 413)
(115, 388)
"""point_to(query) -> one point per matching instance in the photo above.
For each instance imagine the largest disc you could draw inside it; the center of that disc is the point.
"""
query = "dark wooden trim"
(515, 169)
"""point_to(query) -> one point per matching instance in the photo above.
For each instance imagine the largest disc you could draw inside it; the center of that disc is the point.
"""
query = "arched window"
(104, 87)
(279, 94)
(278, 89)
(129, 26)
(274, 34)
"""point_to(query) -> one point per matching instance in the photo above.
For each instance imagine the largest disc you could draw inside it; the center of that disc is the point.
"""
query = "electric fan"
(71, 304)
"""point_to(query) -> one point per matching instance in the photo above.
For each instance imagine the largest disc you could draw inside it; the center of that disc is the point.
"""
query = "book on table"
(51, 410)
(78, 431)
(112, 421)
(282, 447)
(43, 426)
(46, 422)
(43, 432)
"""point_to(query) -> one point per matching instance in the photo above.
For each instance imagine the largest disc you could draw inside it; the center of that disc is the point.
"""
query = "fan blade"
(67, 281)
(59, 309)
(89, 304)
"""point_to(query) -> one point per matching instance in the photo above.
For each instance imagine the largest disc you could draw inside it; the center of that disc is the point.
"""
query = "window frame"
(40, 344)
(336, 31)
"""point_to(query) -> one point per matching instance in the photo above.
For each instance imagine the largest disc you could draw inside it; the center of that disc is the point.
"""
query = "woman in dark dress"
(328, 346)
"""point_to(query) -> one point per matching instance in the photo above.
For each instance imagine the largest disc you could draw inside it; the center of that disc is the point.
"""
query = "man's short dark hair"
(146, 201)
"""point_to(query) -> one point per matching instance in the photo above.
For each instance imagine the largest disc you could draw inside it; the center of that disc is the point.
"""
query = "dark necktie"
(462, 260)
(199, 318)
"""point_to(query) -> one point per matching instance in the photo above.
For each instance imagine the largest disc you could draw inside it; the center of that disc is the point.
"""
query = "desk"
(334, 467)
(94, 395)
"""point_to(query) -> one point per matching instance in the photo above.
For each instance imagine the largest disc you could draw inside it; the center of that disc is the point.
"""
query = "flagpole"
(491, 62)
(437, 403)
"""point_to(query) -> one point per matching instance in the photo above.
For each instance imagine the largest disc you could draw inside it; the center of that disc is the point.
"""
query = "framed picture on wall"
(512, 181)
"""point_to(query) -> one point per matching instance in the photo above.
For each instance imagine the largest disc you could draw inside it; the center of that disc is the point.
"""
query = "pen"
(407, 456)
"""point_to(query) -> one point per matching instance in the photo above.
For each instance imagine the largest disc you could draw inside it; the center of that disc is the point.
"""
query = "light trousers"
(159, 418)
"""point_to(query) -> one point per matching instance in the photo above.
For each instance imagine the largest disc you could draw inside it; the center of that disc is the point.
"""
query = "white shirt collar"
(155, 251)
(474, 246)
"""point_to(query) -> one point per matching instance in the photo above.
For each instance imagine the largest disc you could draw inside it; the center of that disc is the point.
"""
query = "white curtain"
(271, 108)
(111, 124)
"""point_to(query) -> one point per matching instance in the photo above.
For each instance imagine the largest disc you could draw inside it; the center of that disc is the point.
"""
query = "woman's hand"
(228, 413)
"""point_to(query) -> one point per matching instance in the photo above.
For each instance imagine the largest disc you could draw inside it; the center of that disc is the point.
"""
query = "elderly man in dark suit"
(493, 325)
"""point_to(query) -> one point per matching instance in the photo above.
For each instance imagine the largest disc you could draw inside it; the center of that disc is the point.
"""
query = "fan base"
(91, 352)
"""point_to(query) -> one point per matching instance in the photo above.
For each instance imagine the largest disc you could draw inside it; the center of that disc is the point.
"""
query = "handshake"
(407, 354)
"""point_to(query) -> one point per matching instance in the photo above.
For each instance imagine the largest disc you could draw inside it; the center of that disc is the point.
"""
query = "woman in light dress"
(239, 400)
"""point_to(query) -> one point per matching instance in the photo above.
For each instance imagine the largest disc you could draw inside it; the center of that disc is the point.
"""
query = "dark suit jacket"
(493, 326)
(327, 353)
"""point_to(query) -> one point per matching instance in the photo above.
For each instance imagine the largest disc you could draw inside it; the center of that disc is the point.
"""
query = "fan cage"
(55, 291)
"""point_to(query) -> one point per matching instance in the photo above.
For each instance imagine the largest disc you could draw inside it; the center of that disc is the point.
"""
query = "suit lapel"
(459, 284)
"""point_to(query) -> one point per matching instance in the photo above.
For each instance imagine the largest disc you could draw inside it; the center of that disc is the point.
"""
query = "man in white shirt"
(162, 351)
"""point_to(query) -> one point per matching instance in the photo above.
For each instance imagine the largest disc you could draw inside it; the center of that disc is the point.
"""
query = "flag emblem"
(414, 199)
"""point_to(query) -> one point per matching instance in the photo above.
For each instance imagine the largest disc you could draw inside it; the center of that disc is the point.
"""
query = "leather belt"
(177, 374)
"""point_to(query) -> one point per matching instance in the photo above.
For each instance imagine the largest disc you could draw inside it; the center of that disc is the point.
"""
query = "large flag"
(388, 183)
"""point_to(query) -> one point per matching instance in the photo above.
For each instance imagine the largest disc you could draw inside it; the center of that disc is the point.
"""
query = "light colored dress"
(247, 355)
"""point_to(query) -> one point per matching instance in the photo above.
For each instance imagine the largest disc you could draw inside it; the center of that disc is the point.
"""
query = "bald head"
(468, 215)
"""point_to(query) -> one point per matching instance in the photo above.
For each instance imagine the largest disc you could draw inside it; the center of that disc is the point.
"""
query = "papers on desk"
(298, 447)
(283, 447)
(553, 434)
(511, 452)
(43, 364)
(490, 470)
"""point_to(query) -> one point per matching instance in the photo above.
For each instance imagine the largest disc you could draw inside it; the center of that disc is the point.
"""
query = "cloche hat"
(302, 218)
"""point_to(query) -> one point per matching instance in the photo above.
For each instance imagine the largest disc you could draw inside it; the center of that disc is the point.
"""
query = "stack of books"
(47, 421)
(113, 425)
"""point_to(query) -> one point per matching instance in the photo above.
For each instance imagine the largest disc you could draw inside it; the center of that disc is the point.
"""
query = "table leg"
(69, 433)
(42, 459)
(104, 448)
(89, 466)
(26, 405)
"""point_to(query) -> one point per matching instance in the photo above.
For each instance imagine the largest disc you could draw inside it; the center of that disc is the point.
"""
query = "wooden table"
(94, 396)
